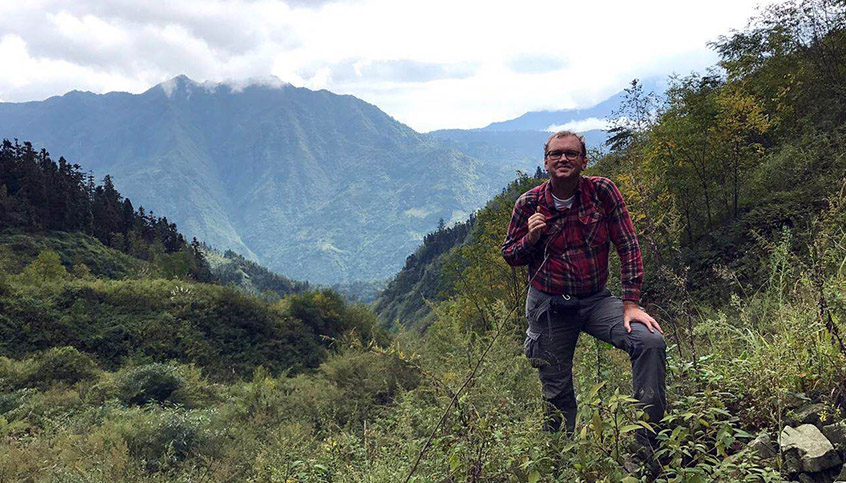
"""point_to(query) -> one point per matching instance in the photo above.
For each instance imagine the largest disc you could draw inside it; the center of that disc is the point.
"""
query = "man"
(562, 230)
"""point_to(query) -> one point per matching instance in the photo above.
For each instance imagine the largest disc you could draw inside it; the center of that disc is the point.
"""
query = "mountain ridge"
(301, 181)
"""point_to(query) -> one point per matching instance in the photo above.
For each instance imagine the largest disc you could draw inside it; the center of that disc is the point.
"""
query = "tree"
(46, 267)
(741, 124)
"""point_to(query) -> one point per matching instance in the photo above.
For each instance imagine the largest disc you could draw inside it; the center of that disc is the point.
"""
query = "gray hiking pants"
(551, 341)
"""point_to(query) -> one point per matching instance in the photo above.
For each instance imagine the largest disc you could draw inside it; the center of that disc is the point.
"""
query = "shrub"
(65, 364)
(308, 400)
(148, 383)
(163, 437)
(13, 373)
(47, 267)
(370, 378)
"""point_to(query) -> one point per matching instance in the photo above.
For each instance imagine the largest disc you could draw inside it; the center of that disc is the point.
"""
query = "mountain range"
(315, 185)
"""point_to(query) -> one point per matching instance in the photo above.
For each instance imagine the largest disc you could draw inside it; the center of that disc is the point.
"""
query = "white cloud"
(433, 64)
(581, 125)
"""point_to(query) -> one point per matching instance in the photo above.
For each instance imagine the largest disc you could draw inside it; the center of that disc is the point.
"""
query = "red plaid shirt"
(577, 262)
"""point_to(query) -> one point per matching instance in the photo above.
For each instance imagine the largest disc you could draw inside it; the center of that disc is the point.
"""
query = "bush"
(148, 383)
(64, 364)
(370, 378)
(163, 437)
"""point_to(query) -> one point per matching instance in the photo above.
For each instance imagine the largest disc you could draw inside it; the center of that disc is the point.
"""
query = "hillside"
(404, 300)
(230, 268)
(428, 276)
(80, 268)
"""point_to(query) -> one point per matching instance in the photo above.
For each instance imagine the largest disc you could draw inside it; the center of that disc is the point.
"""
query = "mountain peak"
(184, 84)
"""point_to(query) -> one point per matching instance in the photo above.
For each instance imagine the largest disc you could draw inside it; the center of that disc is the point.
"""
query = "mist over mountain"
(315, 185)
(543, 120)
(548, 119)
(519, 141)
(521, 149)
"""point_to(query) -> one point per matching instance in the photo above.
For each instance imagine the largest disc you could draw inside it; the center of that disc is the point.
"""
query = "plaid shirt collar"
(584, 201)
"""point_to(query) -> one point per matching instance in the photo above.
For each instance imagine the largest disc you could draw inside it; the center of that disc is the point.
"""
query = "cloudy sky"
(431, 64)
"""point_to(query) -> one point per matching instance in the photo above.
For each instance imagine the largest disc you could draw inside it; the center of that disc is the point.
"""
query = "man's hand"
(633, 313)
(537, 225)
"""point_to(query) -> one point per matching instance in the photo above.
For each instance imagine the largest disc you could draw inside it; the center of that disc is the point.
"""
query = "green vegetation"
(118, 322)
(233, 269)
(39, 194)
(404, 298)
(143, 377)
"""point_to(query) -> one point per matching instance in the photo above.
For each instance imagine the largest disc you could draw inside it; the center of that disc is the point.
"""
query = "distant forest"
(38, 194)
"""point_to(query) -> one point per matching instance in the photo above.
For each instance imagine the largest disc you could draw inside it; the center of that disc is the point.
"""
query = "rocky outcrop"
(763, 446)
(836, 433)
(807, 450)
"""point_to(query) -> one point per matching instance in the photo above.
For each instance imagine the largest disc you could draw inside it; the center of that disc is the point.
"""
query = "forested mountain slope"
(230, 268)
(302, 181)
(404, 299)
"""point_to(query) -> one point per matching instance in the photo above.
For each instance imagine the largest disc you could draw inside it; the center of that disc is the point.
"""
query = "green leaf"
(595, 389)
(454, 462)
(534, 476)
(629, 428)
(596, 422)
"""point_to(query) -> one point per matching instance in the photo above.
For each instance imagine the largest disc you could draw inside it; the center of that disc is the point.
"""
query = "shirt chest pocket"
(594, 230)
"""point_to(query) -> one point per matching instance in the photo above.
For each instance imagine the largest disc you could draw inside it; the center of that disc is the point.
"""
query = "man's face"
(563, 169)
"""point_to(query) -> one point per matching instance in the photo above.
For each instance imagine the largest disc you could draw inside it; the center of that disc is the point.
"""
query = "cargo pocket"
(531, 347)
(539, 309)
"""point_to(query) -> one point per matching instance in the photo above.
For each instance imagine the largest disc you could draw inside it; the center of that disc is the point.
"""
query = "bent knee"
(649, 340)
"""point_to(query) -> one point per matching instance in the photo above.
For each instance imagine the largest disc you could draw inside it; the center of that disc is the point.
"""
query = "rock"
(763, 446)
(806, 478)
(836, 433)
(826, 476)
(795, 400)
(806, 449)
(842, 475)
(807, 414)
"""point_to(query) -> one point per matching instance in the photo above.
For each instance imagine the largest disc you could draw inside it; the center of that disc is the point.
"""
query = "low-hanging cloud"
(582, 125)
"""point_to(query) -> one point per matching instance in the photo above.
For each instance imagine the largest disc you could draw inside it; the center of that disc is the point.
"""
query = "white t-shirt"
(562, 205)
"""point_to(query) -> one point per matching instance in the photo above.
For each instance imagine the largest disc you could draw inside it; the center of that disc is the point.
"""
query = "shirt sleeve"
(622, 233)
(517, 250)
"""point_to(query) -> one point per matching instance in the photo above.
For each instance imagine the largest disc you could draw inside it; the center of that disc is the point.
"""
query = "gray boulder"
(806, 478)
(806, 449)
(842, 475)
(836, 433)
(763, 446)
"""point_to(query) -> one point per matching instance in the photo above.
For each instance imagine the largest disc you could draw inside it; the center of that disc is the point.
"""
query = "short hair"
(564, 134)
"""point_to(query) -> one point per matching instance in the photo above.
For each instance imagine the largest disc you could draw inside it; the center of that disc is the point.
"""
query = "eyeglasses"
(558, 153)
